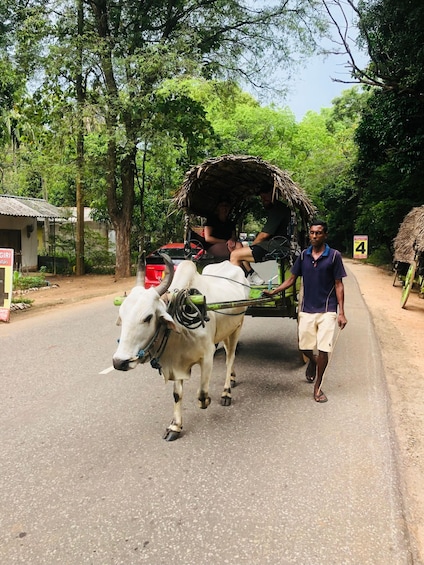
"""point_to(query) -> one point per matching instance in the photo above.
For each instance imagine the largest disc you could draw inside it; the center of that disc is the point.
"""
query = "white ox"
(150, 332)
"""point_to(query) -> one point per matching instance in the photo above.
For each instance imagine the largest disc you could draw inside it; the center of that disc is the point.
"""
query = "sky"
(314, 88)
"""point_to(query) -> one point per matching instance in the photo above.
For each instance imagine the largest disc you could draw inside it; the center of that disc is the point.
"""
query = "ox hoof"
(233, 383)
(225, 400)
(171, 435)
(204, 402)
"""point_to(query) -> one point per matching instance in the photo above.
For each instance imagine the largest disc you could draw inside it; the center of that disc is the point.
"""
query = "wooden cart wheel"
(409, 281)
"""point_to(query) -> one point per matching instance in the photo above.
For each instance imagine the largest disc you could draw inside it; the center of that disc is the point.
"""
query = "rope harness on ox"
(150, 349)
(189, 314)
(186, 313)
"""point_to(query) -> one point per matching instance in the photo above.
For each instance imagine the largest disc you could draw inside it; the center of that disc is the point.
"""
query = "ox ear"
(119, 321)
(169, 322)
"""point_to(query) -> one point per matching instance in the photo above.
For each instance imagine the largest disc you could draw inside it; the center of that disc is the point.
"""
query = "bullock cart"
(178, 324)
(239, 179)
(409, 254)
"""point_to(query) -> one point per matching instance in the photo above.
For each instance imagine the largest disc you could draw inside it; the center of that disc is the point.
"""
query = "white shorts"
(316, 331)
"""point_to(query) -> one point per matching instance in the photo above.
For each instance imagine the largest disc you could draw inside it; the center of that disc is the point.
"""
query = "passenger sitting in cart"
(277, 224)
(220, 232)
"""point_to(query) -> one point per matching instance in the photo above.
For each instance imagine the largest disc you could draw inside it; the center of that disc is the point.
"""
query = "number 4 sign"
(360, 246)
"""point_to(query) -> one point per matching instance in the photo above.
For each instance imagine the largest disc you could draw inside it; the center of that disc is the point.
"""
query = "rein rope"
(330, 359)
(225, 279)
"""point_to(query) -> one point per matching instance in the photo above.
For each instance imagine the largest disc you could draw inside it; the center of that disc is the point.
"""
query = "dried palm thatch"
(410, 236)
(237, 179)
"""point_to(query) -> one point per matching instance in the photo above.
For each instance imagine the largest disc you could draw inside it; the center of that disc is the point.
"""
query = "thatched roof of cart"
(410, 234)
(237, 178)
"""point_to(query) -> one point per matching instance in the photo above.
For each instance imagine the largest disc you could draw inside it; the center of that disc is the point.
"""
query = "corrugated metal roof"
(27, 207)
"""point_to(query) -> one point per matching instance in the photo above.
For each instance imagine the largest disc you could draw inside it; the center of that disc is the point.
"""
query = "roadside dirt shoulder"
(67, 290)
(401, 336)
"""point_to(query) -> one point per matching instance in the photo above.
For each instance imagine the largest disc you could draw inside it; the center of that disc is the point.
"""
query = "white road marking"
(106, 371)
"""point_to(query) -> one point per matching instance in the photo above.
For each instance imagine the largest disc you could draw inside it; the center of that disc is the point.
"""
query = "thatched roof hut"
(238, 178)
(410, 236)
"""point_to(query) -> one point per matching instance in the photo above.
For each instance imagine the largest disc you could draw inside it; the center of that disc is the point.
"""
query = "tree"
(80, 98)
(390, 32)
(12, 79)
(242, 125)
(130, 50)
(390, 164)
(136, 46)
(326, 155)
(390, 136)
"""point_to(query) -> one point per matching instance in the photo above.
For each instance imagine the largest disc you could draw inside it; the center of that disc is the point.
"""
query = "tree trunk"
(123, 250)
(121, 215)
(120, 195)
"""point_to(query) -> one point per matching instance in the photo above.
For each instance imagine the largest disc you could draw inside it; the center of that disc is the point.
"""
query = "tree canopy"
(158, 87)
(393, 34)
(133, 47)
(390, 136)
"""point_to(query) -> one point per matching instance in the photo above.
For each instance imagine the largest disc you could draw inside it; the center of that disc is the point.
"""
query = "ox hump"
(184, 276)
(224, 281)
(225, 269)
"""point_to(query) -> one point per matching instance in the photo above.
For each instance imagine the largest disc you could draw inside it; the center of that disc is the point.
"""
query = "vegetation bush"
(21, 300)
(97, 258)
(380, 256)
(100, 262)
(24, 282)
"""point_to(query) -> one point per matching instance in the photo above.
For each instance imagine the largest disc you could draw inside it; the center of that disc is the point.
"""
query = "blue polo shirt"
(319, 293)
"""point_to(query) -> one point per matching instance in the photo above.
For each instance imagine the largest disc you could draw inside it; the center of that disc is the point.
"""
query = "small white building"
(25, 227)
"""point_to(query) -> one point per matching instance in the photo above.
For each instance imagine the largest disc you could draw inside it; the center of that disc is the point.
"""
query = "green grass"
(24, 282)
(22, 300)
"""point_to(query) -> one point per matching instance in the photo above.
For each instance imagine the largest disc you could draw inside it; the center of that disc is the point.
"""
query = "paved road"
(276, 478)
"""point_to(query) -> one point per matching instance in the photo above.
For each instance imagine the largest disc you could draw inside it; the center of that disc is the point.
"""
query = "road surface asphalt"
(85, 477)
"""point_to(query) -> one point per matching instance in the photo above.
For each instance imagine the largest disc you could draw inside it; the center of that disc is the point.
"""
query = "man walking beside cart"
(322, 304)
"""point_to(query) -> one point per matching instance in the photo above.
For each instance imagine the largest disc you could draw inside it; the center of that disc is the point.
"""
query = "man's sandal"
(320, 397)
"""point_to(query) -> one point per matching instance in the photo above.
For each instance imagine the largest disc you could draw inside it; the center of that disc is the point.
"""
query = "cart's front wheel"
(409, 281)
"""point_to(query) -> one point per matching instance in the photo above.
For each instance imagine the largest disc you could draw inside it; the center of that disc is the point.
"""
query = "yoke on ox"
(151, 330)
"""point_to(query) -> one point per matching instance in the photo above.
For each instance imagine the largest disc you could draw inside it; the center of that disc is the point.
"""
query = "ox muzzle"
(127, 364)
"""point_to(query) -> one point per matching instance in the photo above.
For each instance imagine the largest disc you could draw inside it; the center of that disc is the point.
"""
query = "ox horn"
(169, 275)
(141, 269)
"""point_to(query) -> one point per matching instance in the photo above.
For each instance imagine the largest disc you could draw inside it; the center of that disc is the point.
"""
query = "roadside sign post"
(6, 283)
(360, 247)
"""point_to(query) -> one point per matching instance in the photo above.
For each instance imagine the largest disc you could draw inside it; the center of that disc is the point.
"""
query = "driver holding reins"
(277, 224)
